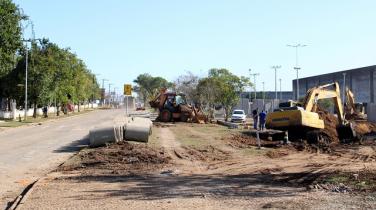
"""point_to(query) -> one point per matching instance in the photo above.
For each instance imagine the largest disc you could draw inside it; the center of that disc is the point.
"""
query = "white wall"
(51, 110)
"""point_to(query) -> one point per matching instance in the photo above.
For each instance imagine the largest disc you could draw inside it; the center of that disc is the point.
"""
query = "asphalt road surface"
(30, 152)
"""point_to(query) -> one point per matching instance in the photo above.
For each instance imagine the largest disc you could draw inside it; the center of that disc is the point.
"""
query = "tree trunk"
(57, 110)
(35, 111)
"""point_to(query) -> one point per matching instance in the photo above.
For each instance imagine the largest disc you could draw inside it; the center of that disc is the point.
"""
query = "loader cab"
(174, 100)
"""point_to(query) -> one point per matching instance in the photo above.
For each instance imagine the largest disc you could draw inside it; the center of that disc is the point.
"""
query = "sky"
(121, 39)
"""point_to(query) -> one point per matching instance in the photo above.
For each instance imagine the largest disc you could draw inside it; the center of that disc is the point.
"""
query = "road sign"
(127, 89)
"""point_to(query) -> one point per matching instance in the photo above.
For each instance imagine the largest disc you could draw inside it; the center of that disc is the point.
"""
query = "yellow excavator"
(173, 106)
(352, 109)
(304, 123)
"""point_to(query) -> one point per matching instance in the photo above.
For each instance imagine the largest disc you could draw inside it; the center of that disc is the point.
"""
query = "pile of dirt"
(365, 127)
(330, 122)
(123, 157)
(248, 140)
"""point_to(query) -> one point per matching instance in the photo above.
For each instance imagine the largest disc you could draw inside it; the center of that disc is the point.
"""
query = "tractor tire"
(183, 117)
(166, 115)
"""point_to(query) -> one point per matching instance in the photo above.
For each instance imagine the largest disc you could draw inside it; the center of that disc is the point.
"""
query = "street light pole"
(297, 83)
(297, 68)
(263, 90)
(25, 117)
(27, 40)
(249, 95)
(280, 88)
(275, 69)
(344, 94)
(254, 79)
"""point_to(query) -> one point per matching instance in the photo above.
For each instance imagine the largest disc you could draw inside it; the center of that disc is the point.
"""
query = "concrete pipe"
(119, 133)
(140, 120)
(136, 131)
(99, 136)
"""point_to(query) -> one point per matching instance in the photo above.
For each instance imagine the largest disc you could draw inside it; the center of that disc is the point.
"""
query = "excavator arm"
(320, 92)
(352, 108)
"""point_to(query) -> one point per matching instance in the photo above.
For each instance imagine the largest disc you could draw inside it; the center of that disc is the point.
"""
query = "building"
(360, 81)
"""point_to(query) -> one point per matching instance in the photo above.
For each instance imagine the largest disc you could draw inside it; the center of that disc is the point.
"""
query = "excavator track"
(318, 136)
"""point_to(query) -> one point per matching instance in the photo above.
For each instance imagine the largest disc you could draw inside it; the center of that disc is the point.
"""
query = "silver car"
(238, 115)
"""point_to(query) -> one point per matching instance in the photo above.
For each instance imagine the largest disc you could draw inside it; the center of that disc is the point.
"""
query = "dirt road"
(30, 152)
(193, 166)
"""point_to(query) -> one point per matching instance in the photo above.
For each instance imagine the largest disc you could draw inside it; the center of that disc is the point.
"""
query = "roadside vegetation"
(54, 74)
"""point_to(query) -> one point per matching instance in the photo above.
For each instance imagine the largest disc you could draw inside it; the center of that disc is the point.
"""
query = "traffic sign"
(127, 89)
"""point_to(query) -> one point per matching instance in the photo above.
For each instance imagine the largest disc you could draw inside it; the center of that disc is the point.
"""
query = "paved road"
(30, 152)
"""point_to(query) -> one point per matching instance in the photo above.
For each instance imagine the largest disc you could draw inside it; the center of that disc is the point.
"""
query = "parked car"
(238, 115)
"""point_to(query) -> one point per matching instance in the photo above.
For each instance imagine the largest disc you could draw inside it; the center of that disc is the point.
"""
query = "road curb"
(21, 199)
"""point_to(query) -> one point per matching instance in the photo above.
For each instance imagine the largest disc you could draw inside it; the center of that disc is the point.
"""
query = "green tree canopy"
(53, 73)
(10, 40)
(147, 86)
(222, 87)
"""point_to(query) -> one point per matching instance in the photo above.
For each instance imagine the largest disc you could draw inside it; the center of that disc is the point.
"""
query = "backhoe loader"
(173, 106)
(304, 123)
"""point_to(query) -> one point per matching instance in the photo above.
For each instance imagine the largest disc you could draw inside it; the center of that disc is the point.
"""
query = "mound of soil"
(248, 140)
(123, 156)
(330, 122)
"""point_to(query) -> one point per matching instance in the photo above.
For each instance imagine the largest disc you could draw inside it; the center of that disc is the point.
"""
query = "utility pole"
(297, 69)
(103, 82)
(92, 91)
(275, 70)
(103, 90)
(109, 89)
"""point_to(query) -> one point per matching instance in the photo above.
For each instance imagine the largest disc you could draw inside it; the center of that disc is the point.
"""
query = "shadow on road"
(74, 146)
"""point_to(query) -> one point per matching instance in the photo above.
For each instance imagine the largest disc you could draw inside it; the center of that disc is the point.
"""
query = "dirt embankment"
(199, 166)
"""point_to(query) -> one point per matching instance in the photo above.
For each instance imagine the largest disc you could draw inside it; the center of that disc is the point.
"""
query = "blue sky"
(121, 39)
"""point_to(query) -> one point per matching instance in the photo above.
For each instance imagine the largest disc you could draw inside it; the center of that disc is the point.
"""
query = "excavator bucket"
(347, 131)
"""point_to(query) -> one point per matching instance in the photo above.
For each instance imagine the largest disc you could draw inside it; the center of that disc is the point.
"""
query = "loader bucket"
(200, 118)
(346, 131)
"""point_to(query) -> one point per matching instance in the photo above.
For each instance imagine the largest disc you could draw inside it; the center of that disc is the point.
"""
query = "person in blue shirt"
(262, 116)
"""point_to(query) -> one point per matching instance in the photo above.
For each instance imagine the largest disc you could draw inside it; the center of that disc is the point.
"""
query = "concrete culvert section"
(99, 136)
(140, 120)
(137, 131)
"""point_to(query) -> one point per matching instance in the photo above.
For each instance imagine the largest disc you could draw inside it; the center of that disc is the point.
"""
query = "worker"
(262, 116)
(255, 118)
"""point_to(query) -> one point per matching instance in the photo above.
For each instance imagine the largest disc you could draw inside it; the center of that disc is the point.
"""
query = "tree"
(326, 103)
(10, 40)
(207, 93)
(226, 87)
(147, 86)
(186, 84)
(53, 74)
